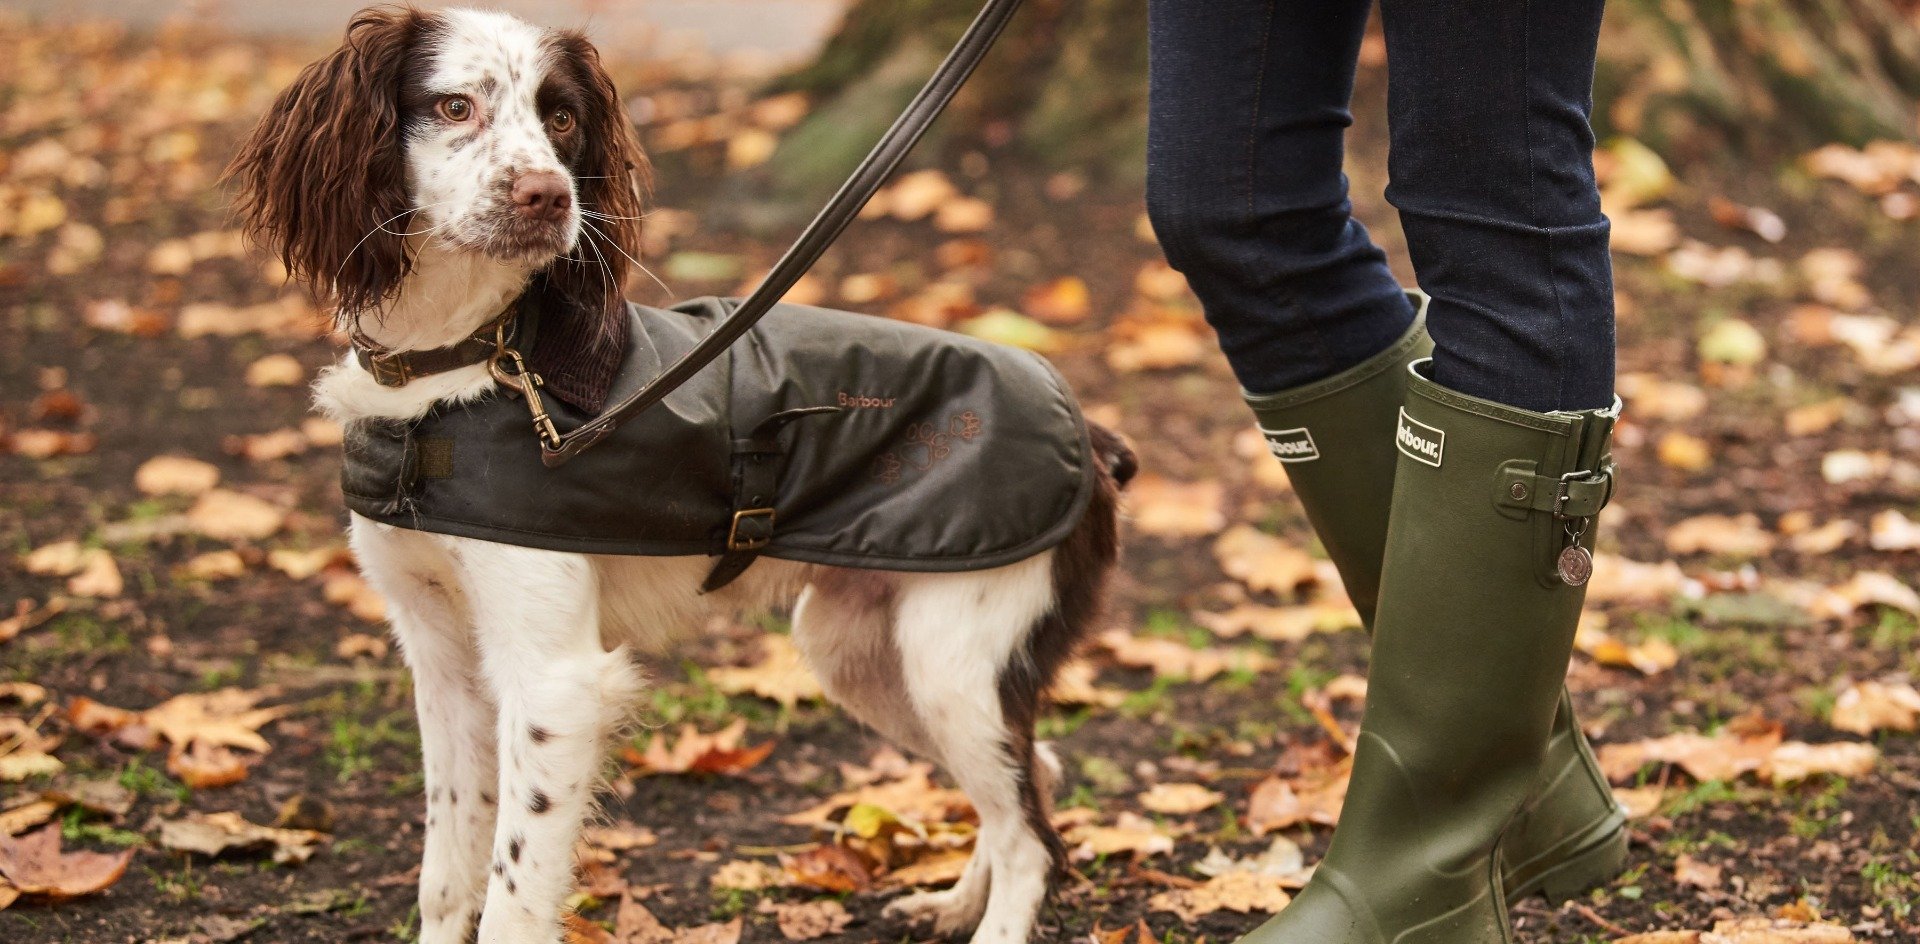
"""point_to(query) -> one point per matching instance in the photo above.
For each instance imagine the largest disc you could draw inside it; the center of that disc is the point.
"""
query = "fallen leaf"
(1870, 587)
(963, 215)
(1169, 658)
(1278, 623)
(1642, 232)
(1162, 507)
(52, 443)
(1686, 452)
(780, 675)
(807, 920)
(1867, 707)
(231, 516)
(1263, 562)
(223, 718)
(99, 576)
(1826, 538)
(1074, 684)
(26, 816)
(909, 795)
(829, 868)
(575, 929)
(202, 766)
(916, 195)
(175, 475)
(747, 875)
(1315, 796)
(215, 834)
(1130, 834)
(1759, 221)
(1649, 656)
(350, 590)
(1890, 530)
(1734, 342)
(1744, 746)
(34, 864)
(267, 447)
(214, 565)
(1640, 802)
(1238, 892)
(1063, 301)
(717, 753)
(1162, 338)
(1732, 535)
(1282, 859)
(1650, 397)
(940, 868)
(1795, 761)
(360, 646)
(275, 370)
(1179, 799)
(1688, 870)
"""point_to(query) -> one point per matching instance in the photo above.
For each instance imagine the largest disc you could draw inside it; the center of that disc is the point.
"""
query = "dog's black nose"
(542, 195)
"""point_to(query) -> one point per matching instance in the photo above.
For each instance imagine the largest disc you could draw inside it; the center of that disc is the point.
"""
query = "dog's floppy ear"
(583, 333)
(322, 179)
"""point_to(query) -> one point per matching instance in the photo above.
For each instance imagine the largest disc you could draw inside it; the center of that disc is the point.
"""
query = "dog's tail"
(1114, 453)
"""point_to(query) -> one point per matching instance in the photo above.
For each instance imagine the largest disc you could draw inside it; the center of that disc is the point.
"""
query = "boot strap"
(1520, 487)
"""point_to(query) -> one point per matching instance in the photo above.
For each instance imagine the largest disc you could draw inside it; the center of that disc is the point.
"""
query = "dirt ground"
(1840, 848)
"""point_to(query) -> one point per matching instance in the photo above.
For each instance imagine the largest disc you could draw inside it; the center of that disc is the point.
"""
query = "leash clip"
(520, 379)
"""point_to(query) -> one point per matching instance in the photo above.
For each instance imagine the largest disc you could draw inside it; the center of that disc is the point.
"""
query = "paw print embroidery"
(929, 443)
(886, 468)
(965, 425)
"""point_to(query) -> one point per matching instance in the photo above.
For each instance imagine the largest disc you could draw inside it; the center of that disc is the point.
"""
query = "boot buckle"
(1601, 478)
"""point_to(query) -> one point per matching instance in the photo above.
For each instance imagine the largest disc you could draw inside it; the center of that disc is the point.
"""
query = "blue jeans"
(1491, 170)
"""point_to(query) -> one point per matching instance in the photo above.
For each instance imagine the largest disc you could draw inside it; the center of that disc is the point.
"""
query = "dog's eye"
(560, 121)
(455, 108)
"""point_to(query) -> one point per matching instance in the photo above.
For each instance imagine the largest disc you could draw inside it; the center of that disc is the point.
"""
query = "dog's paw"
(946, 912)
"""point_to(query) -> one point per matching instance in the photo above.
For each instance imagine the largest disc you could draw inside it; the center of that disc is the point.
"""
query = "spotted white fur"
(521, 657)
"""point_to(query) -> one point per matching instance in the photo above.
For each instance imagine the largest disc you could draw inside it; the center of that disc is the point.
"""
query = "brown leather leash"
(509, 368)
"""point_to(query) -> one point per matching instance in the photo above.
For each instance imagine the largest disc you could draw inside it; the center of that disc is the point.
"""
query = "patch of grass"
(75, 828)
(352, 742)
(729, 902)
(182, 885)
(1174, 625)
(407, 929)
(147, 782)
(83, 632)
(1149, 701)
(1896, 891)
(1705, 793)
(1896, 631)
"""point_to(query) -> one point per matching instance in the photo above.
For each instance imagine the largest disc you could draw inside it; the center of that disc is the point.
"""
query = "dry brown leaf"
(1732, 535)
(1619, 580)
(780, 675)
(27, 614)
(1640, 802)
(267, 447)
(829, 868)
(1649, 656)
(227, 717)
(1174, 659)
(1074, 684)
(1063, 301)
(1263, 562)
(1268, 472)
(1867, 707)
(1775, 931)
(1179, 799)
(303, 564)
(747, 875)
(1238, 892)
(25, 752)
(201, 765)
(1745, 745)
(231, 516)
(350, 590)
(717, 753)
(51, 443)
(1890, 530)
(214, 565)
(941, 868)
(26, 816)
(916, 195)
(575, 929)
(1826, 538)
(1161, 282)
(1315, 796)
(1650, 397)
(1868, 588)
(99, 576)
(807, 920)
(1278, 623)
(34, 864)
(1157, 340)
(175, 475)
(1162, 507)
(360, 646)
(1130, 834)
(909, 795)
(1688, 870)
(214, 834)
(964, 215)
(1644, 232)
(275, 370)
(1686, 452)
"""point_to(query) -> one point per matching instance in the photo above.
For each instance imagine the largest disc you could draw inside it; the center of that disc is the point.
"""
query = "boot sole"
(1594, 865)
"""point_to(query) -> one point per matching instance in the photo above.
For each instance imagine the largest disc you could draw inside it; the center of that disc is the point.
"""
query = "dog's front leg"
(559, 693)
(430, 619)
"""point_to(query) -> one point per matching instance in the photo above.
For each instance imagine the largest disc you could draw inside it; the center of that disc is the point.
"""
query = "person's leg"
(1492, 172)
(1495, 491)
(1247, 115)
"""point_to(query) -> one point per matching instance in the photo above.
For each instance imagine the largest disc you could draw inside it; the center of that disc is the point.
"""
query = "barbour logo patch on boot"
(1291, 445)
(1420, 442)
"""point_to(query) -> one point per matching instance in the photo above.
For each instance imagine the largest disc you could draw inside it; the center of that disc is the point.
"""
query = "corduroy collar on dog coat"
(821, 436)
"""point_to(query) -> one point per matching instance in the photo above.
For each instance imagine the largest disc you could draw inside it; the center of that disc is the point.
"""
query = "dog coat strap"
(756, 480)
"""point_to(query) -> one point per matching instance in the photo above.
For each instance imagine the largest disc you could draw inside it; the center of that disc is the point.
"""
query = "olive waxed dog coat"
(821, 436)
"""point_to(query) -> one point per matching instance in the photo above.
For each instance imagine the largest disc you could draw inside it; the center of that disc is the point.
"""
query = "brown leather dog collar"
(398, 368)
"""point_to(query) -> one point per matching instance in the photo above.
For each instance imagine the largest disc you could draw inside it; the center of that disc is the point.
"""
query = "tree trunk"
(1749, 80)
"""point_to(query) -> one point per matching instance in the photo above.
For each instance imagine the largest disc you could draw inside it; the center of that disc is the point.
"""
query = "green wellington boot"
(1335, 437)
(1565, 829)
